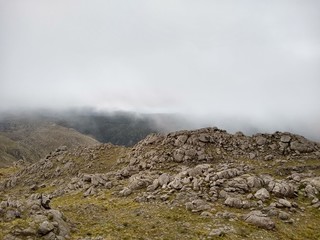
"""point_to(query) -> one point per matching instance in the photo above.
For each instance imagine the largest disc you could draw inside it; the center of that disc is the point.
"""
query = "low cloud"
(249, 65)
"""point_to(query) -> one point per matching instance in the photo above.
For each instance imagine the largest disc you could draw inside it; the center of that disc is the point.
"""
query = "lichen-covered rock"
(234, 202)
(262, 194)
(259, 219)
(282, 189)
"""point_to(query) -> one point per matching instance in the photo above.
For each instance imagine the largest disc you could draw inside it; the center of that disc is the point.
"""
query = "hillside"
(201, 184)
(29, 140)
(122, 128)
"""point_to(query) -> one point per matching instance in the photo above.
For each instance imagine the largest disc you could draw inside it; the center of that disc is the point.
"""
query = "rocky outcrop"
(196, 170)
(40, 220)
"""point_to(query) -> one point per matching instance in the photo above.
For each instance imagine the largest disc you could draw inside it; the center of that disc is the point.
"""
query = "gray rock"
(50, 236)
(284, 203)
(315, 182)
(12, 214)
(281, 189)
(254, 182)
(181, 140)
(195, 172)
(164, 179)
(268, 157)
(284, 216)
(261, 140)
(206, 214)
(262, 194)
(301, 147)
(259, 219)
(226, 215)
(223, 194)
(45, 227)
(233, 202)
(176, 184)
(45, 201)
(138, 183)
(125, 192)
(229, 173)
(153, 186)
(198, 205)
(178, 155)
(63, 227)
(205, 138)
(310, 191)
(90, 191)
(285, 138)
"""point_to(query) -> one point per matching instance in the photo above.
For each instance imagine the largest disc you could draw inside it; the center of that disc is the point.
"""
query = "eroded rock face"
(282, 189)
(259, 219)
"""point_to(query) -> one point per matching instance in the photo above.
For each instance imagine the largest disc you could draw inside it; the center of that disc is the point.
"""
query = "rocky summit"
(202, 184)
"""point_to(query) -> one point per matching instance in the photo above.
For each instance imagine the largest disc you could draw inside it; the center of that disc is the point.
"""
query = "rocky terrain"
(202, 184)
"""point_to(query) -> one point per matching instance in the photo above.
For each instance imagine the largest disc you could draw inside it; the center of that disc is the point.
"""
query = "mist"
(251, 66)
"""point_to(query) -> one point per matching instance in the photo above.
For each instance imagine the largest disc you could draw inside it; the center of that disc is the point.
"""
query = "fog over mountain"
(241, 65)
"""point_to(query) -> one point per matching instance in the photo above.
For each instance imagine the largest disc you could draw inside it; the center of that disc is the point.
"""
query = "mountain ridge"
(218, 184)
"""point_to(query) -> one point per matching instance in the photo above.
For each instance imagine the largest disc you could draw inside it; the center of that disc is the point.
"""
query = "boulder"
(164, 179)
(254, 182)
(233, 202)
(45, 227)
(205, 138)
(284, 203)
(125, 192)
(181, 140)
(262, 194)
(282, 189)
(176, 184)
(284, 216)
(261, 140)
(198, 205)
(301, 147)
(62, 226)
(259, 219)
(285, 138)
(178, 155)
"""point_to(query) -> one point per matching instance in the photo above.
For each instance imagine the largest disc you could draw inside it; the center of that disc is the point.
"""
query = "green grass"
(8, 171)
(121, 218)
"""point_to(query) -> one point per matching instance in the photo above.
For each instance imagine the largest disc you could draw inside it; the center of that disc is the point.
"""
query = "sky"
(251, 62)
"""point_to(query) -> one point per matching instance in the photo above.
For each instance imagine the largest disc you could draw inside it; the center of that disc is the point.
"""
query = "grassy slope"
(11, 151)
(35, 141)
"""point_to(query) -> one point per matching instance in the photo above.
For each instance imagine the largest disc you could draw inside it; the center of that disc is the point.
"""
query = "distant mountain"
(119, 128)
(31, 139)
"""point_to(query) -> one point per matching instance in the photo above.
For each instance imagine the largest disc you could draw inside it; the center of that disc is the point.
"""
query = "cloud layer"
(250, 61)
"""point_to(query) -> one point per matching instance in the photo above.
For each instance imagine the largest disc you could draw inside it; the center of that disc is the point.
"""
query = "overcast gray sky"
(252, 60)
